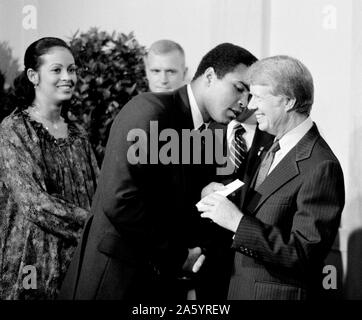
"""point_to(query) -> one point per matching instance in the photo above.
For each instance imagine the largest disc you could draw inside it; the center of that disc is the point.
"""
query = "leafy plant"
(5, 106)
(111, 72)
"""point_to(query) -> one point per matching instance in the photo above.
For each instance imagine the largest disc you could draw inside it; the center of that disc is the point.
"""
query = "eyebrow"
(244, 84)
(60, 64)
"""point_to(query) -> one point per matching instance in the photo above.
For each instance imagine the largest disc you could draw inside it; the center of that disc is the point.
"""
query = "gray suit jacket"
(289, 225)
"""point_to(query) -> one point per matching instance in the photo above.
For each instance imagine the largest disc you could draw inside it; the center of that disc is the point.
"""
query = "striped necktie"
(238, 148)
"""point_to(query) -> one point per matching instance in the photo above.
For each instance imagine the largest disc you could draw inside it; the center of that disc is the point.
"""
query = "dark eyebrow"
(57, 64)
(245, 85)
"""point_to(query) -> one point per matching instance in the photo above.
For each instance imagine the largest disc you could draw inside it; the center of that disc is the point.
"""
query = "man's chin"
(262, 127)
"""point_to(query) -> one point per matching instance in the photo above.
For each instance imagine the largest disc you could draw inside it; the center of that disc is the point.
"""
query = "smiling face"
(165, 72)
(270, 110)
(56, 76)
(226, 96)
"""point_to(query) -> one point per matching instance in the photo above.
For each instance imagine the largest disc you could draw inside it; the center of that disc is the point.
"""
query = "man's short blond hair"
(165, 46)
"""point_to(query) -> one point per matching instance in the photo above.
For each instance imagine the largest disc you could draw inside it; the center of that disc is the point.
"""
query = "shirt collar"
(292, 137)
(195, 111)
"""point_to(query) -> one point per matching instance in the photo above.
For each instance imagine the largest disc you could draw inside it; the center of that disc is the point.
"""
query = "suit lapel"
(182, 104)
(285, 171)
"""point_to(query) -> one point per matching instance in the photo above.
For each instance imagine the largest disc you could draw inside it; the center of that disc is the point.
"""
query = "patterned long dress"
(46, 188)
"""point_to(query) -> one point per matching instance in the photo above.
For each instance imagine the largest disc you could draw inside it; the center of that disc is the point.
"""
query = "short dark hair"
(224, 58)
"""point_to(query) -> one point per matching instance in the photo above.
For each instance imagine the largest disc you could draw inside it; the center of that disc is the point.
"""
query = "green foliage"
(111, 72)
(5, 105)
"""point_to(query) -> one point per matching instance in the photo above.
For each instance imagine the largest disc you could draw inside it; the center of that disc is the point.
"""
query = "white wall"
(197, 25)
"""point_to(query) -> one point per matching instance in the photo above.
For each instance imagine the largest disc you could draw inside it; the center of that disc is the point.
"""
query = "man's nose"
(252, 105)
(243, 100)
(164, 77)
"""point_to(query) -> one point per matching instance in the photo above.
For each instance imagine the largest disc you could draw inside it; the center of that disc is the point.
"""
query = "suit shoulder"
(146, 104)
(323, 151)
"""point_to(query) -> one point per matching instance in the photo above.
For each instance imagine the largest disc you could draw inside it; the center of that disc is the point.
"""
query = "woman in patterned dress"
(48, 173)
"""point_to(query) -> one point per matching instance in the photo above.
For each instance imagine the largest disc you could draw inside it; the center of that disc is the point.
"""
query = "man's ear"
(209, 75)
(290, 104)
(33, 76)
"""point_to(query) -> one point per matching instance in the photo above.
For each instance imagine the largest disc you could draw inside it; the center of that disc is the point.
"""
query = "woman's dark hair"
(24, 92)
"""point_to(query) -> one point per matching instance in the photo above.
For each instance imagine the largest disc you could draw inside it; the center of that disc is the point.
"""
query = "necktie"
(266, 163)
(238, 148)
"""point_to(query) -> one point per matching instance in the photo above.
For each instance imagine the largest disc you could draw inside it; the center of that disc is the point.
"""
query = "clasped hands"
(221, 211)
(194, 261)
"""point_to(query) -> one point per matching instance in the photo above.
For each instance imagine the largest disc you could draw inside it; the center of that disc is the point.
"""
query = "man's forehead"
(174, 54)
(260, 88)
(171, 58)
(239, 74)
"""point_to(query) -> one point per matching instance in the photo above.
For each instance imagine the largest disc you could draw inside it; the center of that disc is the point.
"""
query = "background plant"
(5, 105)
(111, 72)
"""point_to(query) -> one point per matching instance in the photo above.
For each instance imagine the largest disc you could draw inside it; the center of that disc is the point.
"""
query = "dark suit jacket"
(137, 242)
(215, 273)
(290, 223)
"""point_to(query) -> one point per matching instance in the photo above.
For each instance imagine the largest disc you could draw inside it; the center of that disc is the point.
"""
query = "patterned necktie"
(238, 148)
(266, 163)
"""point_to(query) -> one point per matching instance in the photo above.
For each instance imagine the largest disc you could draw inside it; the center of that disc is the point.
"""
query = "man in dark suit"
(289, 218)
(142, 234)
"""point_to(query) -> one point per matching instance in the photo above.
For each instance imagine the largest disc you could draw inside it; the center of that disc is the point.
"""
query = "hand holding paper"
(220, 189)
(221, 210)
(231, 187)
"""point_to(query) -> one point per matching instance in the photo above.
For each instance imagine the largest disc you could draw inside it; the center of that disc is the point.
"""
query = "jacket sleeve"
(315, 212)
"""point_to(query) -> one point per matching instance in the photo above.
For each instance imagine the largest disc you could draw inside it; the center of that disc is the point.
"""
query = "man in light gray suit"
(288, 219)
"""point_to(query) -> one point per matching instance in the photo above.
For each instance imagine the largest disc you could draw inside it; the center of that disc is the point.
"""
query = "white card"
(230, 188)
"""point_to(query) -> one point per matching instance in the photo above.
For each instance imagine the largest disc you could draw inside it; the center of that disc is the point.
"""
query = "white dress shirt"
(195, 111)
(289, 141)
